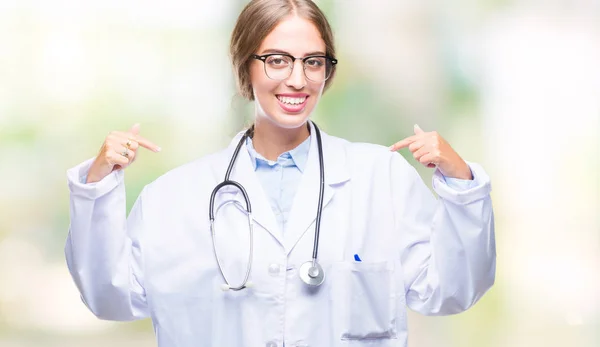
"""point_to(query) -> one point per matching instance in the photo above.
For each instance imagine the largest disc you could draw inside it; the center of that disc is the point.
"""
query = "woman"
(385, 242)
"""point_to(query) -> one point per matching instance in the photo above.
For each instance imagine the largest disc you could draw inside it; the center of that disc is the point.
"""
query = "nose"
(297, 79)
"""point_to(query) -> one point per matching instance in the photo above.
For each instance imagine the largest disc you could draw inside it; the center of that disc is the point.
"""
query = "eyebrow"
(267, 51)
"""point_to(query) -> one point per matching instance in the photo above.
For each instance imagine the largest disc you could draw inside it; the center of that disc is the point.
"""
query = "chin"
(289, 122)
(276, 115)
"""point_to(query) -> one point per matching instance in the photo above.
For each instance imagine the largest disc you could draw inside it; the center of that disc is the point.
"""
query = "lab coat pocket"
(364, 301)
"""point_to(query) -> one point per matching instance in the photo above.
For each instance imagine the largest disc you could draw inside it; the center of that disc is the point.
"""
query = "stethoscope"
(310, 272)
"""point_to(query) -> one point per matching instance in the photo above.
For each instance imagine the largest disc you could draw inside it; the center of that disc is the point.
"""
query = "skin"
(277, 130)
(431, 150)
(111, 158)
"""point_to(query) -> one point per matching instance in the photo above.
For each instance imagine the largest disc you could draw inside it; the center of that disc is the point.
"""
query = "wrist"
(92, 179)
(462, 172)
(94, 174)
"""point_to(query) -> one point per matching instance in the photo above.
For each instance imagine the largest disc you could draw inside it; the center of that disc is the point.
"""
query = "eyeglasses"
(279, 66)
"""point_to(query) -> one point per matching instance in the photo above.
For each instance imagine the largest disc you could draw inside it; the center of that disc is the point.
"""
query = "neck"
(271, 141)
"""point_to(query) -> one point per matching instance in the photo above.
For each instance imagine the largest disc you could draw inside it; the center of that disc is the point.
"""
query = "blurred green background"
(513, 85)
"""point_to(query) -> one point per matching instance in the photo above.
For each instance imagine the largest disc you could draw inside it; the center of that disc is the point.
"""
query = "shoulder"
(366, 154)
(192, 175)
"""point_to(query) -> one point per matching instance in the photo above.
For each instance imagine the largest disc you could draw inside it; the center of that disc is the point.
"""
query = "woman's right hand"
(117, 152)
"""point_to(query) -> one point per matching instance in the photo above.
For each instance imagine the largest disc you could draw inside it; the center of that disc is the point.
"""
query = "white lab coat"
(435, 256)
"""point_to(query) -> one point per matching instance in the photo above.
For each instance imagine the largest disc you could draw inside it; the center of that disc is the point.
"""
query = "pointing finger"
(135, 130)
(403, 143)
(147, 144)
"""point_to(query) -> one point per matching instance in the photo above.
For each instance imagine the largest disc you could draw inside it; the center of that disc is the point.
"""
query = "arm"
(103, 248)
(447, 246)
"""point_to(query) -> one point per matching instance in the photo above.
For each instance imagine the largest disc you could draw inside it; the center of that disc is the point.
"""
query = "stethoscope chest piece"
(312, 273)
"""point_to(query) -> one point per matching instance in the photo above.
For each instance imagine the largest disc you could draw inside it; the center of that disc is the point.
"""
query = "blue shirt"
(280, 178)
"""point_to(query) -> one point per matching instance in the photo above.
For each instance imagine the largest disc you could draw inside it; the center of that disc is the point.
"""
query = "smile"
(290, 100)
(292, 104)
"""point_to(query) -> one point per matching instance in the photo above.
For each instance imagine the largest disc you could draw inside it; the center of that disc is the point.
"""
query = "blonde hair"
(257, 20)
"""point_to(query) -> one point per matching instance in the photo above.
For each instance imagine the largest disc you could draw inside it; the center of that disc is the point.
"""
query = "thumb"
(135, 129)
(418, 129)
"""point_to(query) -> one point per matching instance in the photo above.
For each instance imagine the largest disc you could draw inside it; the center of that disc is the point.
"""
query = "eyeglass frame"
(264, 57)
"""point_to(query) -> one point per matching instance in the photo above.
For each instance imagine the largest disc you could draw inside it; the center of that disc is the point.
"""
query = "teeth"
(291, 101)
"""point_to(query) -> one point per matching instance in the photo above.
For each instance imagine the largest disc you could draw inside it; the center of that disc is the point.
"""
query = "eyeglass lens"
(279, 67)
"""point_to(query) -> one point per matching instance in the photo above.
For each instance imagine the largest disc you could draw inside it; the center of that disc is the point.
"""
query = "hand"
(431, 150)
(117, 152)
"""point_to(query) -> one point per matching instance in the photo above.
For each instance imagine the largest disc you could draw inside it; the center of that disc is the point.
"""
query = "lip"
(293, 108)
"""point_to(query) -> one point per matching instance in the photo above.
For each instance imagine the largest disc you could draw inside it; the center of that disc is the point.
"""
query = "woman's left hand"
(431, 150)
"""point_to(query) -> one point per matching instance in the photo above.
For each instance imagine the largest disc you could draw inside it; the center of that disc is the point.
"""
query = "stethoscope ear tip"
(249, 284)
(225, 287)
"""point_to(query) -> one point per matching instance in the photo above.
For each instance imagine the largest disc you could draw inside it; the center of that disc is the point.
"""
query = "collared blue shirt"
(280, 178)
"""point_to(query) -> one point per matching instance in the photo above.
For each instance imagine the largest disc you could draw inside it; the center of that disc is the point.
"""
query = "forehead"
(294, 35)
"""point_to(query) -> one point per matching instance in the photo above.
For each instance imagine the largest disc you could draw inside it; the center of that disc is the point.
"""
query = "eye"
(314, 62)
(277, 60)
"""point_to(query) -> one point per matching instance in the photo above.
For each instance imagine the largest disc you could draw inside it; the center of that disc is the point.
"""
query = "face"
(287, 103)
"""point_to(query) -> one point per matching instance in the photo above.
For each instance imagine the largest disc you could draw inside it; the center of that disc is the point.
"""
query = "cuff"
(459, 184)
(77, 175)
(463, 192)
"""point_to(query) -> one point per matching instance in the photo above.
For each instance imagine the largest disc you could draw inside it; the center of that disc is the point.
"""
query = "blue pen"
(356, 257)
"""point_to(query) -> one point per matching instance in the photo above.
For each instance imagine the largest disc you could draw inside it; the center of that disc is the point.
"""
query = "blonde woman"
(289, 236)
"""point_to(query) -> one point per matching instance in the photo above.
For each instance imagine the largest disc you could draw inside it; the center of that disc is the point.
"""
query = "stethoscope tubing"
(227, 182)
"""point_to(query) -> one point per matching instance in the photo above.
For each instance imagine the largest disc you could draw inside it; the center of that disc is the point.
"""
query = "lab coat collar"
(298, 155)
(301, 217)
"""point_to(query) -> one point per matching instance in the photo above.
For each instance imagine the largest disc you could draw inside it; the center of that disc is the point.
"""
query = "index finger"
(403, 143)
(146, 143)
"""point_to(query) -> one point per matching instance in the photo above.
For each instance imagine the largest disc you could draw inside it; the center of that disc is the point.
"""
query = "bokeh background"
(511, 84)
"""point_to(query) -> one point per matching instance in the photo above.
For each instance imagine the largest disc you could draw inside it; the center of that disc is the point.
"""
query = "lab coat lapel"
(243, 173)
(304, 209)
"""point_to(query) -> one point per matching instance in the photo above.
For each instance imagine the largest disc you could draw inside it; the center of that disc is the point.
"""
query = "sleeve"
(102, 250)
(447, 247)
(457, 183)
